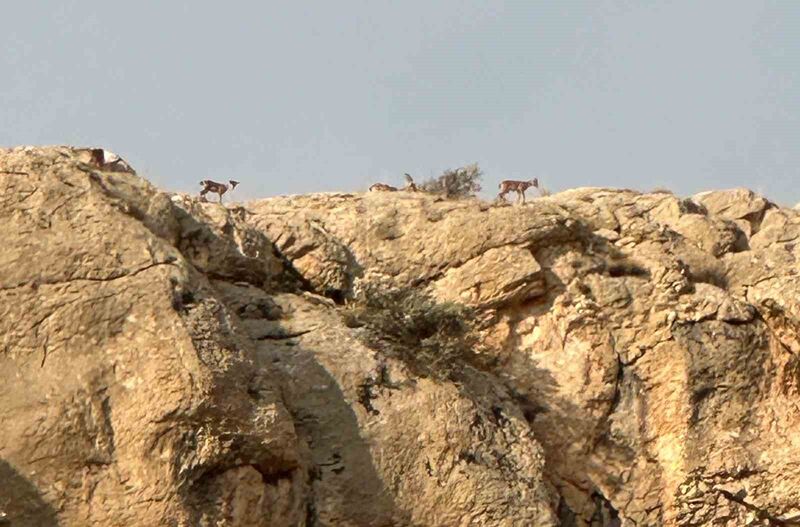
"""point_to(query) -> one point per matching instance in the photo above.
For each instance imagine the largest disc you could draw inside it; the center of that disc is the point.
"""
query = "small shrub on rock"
(433, 339)
(459, 183)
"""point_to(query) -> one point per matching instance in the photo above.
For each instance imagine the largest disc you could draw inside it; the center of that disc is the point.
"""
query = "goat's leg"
(522, 193)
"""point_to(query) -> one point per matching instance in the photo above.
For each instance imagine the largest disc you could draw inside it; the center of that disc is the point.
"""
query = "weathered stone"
(124, 386)
(161, 364)
(498, 276)
(169, 361)
(735, 205)
(644, 344)
(779, 226)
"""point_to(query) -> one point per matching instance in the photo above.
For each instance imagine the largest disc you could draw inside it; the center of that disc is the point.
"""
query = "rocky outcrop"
(166, 361)
(162, 363)
(127, 395)
(650, 340)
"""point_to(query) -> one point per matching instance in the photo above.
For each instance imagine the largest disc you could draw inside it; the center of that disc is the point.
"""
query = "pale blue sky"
(292, 97)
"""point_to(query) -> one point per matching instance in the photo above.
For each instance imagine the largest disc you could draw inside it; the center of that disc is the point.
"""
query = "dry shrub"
(661, 190)
(432, 339)
(459, 183)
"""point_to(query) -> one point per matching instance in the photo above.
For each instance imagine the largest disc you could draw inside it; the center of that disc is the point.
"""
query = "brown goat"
(410, 185)
(517, 186)
(106, 161)
(216, 188)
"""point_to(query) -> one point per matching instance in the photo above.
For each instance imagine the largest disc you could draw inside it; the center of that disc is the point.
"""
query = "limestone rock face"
(162, 365)
(169, 362)
(740, 205)
(126, 394)
(405, 239)
(650, 340)
(496, 277)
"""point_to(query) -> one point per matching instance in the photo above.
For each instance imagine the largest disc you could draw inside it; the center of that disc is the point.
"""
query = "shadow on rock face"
(345, 485)
(21, 502)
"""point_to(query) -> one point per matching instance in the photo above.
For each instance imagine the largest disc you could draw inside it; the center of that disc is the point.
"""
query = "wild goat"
(518, 186)
(382, 187)
(410, 185)
(217, 188)
(104, 160)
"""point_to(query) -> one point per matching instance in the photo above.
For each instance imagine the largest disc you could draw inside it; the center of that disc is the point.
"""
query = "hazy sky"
(292, 97)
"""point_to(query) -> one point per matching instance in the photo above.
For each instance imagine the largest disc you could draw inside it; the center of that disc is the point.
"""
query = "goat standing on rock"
(217, 188)
(518, 186)
(410, 186)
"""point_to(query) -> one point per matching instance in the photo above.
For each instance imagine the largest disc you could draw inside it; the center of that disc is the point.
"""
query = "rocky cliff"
(634, 360)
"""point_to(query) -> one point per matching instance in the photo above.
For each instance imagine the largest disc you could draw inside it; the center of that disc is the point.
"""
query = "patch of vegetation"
(689, 206)
(661, 190)
(627, 268)
(462, 182)
(432, 339)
